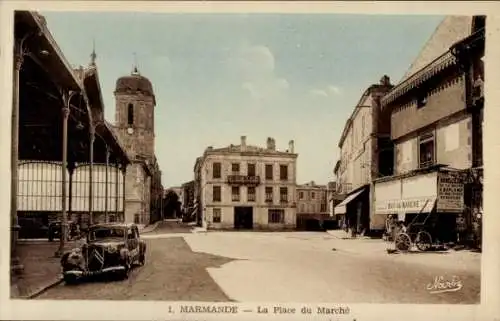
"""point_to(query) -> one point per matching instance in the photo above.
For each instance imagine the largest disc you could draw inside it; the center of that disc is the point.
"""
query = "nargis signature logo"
(440, 285)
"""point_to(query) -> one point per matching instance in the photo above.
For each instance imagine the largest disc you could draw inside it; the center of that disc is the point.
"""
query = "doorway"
(243, 217)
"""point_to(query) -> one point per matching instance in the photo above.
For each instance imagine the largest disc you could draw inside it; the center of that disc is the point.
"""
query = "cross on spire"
(93, 55)
(135, 71)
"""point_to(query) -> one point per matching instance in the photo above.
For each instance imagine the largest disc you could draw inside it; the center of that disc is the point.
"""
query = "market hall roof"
(44, 73)
(31, 22)
(434, 57)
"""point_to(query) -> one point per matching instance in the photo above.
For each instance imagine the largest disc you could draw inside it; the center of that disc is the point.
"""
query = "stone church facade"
(134, 125)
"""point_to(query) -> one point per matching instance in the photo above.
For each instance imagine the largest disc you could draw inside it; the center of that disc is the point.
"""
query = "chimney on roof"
(385, 81)
(290, 146)
(210, 148)
(243, 143)
(271, 143)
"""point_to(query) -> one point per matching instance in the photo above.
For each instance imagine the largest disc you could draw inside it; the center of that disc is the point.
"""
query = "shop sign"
(450, 193)
(414, 205)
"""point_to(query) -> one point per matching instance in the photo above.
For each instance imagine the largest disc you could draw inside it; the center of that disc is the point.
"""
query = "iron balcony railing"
(243, 180)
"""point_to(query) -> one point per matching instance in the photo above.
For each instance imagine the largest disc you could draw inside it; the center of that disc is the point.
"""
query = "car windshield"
(106, 232)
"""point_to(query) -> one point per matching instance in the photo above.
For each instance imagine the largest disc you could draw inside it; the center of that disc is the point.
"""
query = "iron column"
(124, 180)
(91, 165)
(64, 221)
(117, 176)
(14, 156)
(106, 194)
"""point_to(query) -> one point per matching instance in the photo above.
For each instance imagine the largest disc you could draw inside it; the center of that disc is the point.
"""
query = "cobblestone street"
(295, 267)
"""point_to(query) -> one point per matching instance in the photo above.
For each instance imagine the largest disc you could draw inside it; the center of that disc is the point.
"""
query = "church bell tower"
(134, 126)
(134, 117)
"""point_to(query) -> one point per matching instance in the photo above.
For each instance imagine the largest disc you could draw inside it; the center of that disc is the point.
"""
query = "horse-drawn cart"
(417, 234)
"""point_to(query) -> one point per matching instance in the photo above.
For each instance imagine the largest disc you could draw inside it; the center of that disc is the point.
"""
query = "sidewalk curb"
(148, 229)
(42, 289)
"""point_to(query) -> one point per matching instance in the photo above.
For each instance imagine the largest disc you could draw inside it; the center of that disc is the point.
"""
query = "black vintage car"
(32, 228)
(55, 230)
(109, 248)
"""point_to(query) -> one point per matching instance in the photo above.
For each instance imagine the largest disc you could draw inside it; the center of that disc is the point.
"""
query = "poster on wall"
(450, 192)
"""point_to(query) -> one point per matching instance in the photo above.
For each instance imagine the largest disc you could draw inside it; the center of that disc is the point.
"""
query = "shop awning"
(342, 207)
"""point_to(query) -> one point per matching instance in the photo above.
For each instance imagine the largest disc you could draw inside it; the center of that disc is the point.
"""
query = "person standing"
(478, 228)
(461, 229)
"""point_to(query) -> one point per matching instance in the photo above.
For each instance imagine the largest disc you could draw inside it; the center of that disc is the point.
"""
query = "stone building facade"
(433, 131)
(365, 153)
(134, 125)
(247, 187)
(312, 205)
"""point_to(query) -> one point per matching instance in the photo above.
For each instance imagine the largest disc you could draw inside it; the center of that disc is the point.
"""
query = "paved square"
(284, 267)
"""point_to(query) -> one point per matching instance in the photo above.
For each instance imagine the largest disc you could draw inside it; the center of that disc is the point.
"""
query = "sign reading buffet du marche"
(413, 205)
(450, 192)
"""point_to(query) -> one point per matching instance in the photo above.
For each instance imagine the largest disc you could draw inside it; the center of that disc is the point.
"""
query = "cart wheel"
(403, 242)
(423, 241)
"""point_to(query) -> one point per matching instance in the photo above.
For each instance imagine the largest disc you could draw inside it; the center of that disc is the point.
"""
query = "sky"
(217, 77)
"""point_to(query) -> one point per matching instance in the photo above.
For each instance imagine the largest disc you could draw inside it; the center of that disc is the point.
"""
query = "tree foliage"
(171, 205)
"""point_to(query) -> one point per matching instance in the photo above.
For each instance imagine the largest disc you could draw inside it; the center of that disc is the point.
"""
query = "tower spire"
(93, 55)
(135, 70)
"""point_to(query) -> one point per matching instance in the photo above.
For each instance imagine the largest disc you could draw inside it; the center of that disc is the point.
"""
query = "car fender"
(142, 247)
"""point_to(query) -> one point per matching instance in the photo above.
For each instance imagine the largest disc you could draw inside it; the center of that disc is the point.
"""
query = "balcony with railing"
(243, 180)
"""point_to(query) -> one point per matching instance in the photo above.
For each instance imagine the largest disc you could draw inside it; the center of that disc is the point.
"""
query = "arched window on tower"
(130, 114)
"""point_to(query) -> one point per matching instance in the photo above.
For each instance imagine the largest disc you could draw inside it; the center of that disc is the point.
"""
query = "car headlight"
(111, 249)
(123, 252)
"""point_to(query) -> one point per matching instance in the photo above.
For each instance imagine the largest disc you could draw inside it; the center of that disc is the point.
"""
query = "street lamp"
(64, 221)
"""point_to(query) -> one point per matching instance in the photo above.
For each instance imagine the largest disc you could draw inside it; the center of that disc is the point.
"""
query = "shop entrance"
(243, 217)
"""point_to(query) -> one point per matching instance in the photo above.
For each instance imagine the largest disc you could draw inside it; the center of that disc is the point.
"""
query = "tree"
(171, 205)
